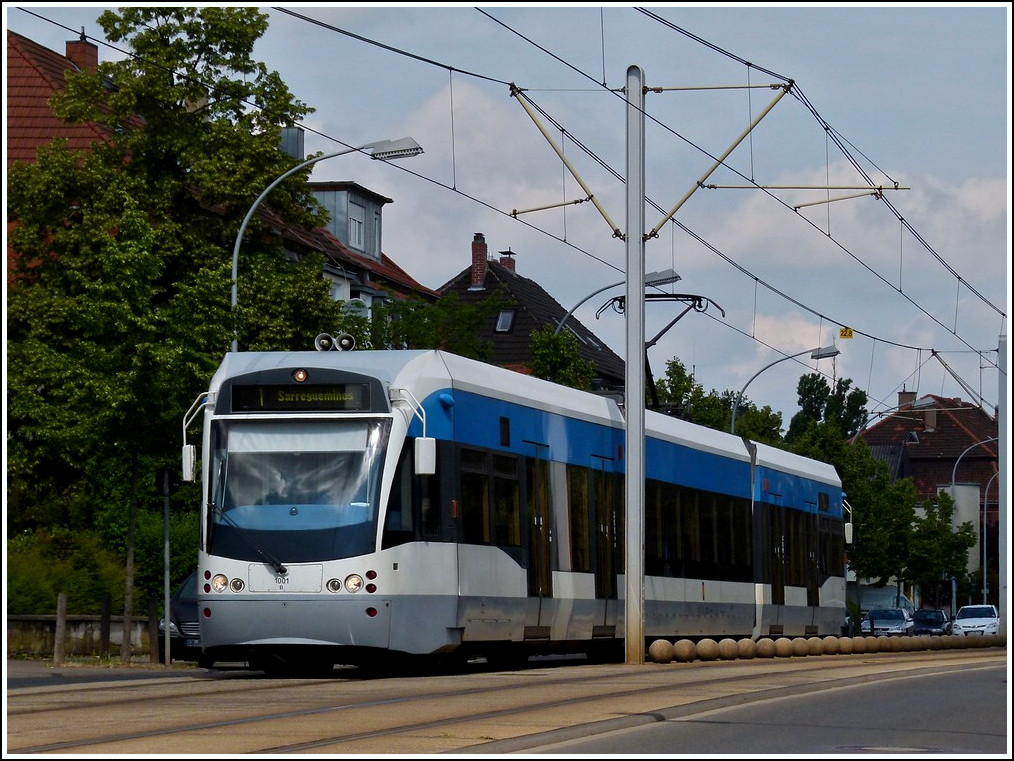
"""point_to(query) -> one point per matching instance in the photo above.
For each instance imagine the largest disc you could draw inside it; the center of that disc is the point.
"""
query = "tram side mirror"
(425, 456)
(848, 533)
(189, 457)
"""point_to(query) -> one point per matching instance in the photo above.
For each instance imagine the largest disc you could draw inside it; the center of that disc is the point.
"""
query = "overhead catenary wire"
(832, 134)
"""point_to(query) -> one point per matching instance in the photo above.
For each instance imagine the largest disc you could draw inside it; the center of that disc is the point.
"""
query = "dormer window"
(505, 321)
(357, 225)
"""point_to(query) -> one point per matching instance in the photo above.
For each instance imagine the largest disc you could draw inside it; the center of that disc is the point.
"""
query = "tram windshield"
(295, 491)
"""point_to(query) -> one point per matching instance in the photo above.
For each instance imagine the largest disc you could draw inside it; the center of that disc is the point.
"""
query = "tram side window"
(741, 533)
(579, 506)
(407, 491)
(506, 501)
(398, 523)
(832, 549)
(475, 497)
(663, 553)
(796, 549)
(672, 527)
(709, 535)
(691, 535)
(654, 538)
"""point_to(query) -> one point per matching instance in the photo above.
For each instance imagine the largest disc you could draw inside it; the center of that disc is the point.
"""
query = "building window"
(504, 321)
(357, 223)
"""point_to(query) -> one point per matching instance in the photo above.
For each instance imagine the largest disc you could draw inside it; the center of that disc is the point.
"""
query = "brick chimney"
(83, 54)
(507, 260)
(480, 253)
(905, 398)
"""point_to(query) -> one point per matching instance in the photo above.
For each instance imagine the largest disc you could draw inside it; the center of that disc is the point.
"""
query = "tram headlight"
(334, 585)
(219, 582)
(236, 585)
(353, 582)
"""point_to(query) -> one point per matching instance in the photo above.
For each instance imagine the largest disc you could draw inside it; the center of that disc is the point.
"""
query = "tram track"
(445, 713)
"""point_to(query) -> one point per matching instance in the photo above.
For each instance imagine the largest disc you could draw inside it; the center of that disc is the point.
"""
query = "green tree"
(679, 392)
(843, 406)
(555, 357)
(447, 324)
(938, 551)
(120, 310)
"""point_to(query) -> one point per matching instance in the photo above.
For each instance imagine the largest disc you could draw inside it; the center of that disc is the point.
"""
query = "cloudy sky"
(872, 194)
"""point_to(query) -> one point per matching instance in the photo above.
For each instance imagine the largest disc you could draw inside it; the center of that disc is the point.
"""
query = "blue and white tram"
(359, 504)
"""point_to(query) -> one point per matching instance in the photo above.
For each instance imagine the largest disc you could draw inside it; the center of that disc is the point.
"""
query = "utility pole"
(634, 373)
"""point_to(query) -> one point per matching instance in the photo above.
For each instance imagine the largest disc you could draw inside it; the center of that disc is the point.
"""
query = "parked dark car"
(936, 623)
(184, 628)
(888, 622)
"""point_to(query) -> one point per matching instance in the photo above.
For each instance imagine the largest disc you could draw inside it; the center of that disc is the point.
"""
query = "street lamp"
(382, 149)
(985, 502)
(652, 278)
(822, 352)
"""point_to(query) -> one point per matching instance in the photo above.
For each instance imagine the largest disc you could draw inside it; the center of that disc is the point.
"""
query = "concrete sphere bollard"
(728, 649)
(707, 649)
(783, 647)
(800, 646)
(830, 645)
(766, 648)
(747, 648)
(937, 643)
(684, 651)
(661, 651)
(846, 645)
(814, 646)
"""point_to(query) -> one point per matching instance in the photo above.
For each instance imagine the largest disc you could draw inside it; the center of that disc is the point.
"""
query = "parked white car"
(976, 620)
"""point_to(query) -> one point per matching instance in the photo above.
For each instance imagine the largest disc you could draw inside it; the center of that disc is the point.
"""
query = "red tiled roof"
(950, 438)
(34, 74)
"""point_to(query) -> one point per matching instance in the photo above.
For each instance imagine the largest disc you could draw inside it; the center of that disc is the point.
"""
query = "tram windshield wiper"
(266, 556)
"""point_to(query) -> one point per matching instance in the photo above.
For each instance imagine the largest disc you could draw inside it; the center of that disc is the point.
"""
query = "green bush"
(41, 565)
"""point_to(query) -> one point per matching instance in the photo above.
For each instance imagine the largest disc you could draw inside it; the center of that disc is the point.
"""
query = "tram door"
(540, 570)
(777, 541)
(606, 500)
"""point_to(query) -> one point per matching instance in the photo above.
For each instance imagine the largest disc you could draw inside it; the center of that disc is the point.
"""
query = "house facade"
(357, 268)
(945, 444)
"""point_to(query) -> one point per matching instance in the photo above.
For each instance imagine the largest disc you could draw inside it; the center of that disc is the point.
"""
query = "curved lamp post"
(954, 472)
(985, 576)
(821, 352)
(382, 149)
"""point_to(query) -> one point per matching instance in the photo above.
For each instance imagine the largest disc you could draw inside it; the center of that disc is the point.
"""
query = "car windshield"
(979, 611)
(928, 615)
(893, 613)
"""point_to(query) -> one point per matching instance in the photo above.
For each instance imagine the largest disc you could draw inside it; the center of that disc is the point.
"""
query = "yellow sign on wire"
(845, 333)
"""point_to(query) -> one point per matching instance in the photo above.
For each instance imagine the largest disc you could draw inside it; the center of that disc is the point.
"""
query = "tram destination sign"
(354, 397)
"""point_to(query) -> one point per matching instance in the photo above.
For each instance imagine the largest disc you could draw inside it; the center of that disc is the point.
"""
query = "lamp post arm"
(739, 396)
(954, 471)
(253, 209)
(574, 308)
